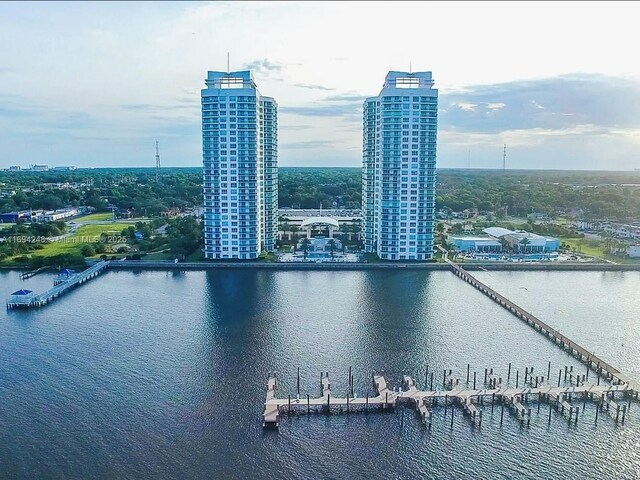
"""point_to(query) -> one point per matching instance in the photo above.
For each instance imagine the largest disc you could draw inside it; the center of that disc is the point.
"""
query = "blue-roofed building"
(21, 297)
(13, 217)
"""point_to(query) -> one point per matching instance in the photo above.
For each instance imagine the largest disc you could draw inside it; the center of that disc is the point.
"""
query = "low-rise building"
(475, 243)
(619, 230)
(14, 217)
(311, 221)
(498, 240)
(55, 215)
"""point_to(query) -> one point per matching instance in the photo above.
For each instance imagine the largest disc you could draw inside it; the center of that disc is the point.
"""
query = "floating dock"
(26, 299)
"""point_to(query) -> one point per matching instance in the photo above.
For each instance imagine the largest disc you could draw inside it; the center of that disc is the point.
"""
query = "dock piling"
(539, 401)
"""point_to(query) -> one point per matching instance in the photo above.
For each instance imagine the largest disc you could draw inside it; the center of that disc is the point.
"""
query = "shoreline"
(138, 265)
(160, 265)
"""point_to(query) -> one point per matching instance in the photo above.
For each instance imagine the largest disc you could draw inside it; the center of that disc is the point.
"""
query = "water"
(162, 375)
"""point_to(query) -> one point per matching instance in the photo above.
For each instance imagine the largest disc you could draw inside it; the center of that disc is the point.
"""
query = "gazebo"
(21, 297)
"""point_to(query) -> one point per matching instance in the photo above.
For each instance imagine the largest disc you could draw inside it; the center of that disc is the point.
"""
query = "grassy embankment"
(84, 235)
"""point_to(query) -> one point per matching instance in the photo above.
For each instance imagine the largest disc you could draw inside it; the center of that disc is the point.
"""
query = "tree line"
(603, 195)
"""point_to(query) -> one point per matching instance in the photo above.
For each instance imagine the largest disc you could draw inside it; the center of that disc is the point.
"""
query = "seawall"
(147, 265)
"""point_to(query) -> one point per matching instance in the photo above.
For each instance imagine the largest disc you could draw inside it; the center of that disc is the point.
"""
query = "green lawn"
(85, 235)
(588, 247)
(95, 217)
(97, 230)
(595, 248)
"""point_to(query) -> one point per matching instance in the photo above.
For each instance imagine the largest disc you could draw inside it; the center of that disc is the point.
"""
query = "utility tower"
(157, 162)
(504, 158)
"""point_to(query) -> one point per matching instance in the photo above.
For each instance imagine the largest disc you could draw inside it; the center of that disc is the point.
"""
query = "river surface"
(163, 374)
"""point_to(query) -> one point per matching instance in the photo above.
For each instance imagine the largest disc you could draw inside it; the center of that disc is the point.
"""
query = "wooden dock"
(39, 300)
(33, 273)
(594, 362)
(384, 399)
(470, 400)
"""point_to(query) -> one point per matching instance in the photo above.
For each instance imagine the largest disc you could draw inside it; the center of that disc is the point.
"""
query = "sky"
(96, 84)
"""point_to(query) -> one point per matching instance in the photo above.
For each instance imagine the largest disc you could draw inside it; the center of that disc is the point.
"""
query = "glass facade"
(399, 162)
(240, 156)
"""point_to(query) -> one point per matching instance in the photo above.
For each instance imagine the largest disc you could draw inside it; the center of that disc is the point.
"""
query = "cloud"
(309, 144)
(346, 97)
(557, 103)
(311, 86)
(496, 106)
(264, 66)
(316, 110)
(294, 127)
(466, 106)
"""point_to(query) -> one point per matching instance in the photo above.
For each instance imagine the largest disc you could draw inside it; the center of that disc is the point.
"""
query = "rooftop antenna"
(157, 161)
(504, 158)
(228, 70)
(410, 69)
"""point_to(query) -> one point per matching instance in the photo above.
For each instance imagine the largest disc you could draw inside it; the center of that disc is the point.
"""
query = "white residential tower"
(399, 162)
(240, 155)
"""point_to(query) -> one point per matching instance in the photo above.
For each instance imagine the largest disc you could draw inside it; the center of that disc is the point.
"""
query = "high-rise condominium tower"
(240, 155)
(399, 163)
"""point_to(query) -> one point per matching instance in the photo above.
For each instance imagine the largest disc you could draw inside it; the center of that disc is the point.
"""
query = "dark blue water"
(162, 375)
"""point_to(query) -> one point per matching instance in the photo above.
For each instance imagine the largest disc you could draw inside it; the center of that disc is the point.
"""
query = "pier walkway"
(384, 399)
(39, 300)
(581, 353)
(469, 399)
